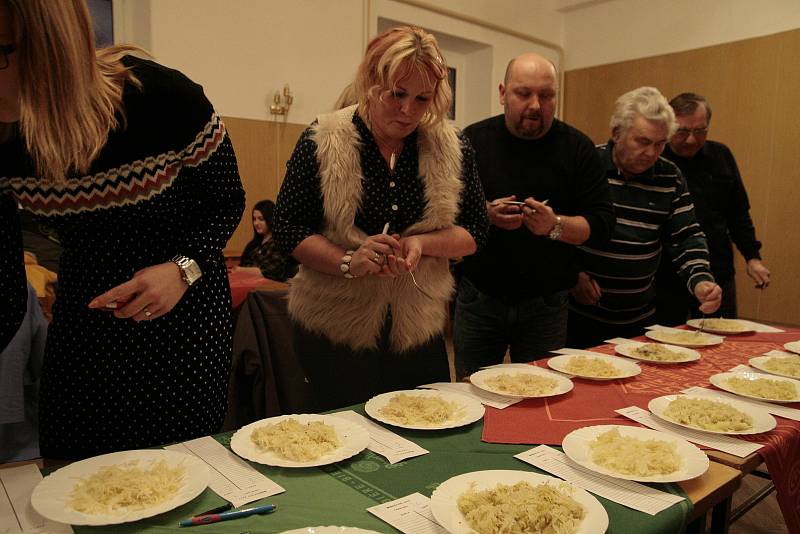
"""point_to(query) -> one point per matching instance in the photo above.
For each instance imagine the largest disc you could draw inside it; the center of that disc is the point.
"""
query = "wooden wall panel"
(752, 86)
(262, 150)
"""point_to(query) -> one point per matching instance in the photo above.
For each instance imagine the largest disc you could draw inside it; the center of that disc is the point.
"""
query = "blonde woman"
(128, 161)
(374, 192)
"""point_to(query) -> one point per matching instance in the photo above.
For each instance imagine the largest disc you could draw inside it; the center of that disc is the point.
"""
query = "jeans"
(486, 326)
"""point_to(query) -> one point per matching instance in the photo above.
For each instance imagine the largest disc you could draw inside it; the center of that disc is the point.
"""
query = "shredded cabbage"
(789, 365)
(522, 384)
(126, 487)
(766, 388)
(657, 352)
(708, 415)
(521, 509)
(296, 441)
(421, 410)
(633, 456)
(596, 367)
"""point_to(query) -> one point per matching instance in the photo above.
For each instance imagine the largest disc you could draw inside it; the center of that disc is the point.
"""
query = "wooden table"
(712, 492)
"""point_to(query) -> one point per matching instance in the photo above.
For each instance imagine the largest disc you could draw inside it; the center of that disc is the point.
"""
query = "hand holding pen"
(226, 516)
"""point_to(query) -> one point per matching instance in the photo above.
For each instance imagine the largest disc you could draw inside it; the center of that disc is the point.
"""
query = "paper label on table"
(382, 441)
(507, 366)
(16, 513)
(774, 409)
(623, 341)
(487, 398)
(410, 514)
(232, 478)
(731, 445)
(578, 352)
(625, 492)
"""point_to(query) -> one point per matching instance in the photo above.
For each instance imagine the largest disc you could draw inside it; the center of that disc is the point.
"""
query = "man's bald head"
(530, 59)
(528, 95)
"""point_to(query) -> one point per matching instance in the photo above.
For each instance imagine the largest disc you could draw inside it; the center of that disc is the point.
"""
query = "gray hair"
(647, 102)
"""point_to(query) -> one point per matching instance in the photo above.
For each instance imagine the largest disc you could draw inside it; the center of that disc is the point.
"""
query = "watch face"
(192, 272)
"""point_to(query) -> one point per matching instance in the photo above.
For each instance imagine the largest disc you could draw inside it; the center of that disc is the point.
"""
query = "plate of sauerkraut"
(792, 346)
(424, 409)
(758, 386)
(634, 453)
(785, 364)
(657, 352)
(684, 338)
(715, 325)
(515, 502)
(519, 382)
(300, 440)
(120, 487)
(712, 414)
(594, 367)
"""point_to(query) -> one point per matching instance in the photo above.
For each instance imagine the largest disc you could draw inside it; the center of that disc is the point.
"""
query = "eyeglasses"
(683, 133)
(5, 50)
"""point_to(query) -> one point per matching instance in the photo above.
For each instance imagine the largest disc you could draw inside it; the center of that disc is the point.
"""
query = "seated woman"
(372, 193)
(261, 255)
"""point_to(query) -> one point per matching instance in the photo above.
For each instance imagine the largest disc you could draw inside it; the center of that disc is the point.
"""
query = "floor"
(764, 518)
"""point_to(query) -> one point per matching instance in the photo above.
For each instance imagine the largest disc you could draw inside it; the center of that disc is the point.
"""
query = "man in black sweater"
(546, 192)
(722, 209)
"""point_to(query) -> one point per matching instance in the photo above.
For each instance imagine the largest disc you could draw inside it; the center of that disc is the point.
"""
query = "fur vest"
(352, 311)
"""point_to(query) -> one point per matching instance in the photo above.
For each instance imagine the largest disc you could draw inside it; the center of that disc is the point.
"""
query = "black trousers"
(341, 376)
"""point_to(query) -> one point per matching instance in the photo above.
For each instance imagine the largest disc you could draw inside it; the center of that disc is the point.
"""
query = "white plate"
(762, 420)
(444, 500)
(479, 378)
(329, 530)
(759, 362)
(627, 349)
(792, 346)
(471, 409)
(576, 446)
(50, 496)
(698, 323)
(720, 378)
(354, 439)
(625, 368)
(702, 339)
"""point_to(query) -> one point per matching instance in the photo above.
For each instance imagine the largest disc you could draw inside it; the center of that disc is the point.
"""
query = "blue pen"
(225, 516)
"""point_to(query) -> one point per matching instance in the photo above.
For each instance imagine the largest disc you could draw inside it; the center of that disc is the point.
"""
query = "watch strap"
(555, 233)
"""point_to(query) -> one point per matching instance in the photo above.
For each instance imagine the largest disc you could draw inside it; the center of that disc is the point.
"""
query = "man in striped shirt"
(615, 293)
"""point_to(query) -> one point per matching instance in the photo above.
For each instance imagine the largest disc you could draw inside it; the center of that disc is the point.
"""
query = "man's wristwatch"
(190, 271)
(555, 233)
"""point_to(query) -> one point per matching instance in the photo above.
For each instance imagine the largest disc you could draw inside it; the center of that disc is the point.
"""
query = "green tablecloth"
(340, 494)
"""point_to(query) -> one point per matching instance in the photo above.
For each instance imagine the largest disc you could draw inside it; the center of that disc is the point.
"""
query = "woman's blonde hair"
(69, 93)
(390, 57)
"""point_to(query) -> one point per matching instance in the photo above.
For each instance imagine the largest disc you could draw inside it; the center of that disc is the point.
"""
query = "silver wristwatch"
(555, 233)
(190, 271)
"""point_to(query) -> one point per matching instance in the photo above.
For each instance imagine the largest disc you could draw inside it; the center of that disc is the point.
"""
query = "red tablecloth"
(242, 282)
(547, 421)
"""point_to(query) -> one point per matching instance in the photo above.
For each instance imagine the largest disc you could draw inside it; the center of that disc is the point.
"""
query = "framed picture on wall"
(451, 79)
